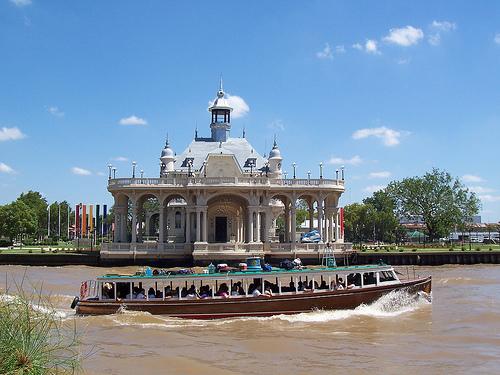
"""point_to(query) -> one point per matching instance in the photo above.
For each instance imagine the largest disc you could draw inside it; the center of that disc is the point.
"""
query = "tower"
(221, 116)
(275, 159)
(167, 159)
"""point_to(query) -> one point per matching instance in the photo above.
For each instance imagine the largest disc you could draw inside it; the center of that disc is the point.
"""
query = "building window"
(177, 220)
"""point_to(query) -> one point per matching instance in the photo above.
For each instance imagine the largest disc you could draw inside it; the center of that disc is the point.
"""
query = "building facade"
(220, 199)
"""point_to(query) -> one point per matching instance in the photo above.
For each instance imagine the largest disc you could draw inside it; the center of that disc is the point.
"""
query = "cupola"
(167, 158)
(221, 116)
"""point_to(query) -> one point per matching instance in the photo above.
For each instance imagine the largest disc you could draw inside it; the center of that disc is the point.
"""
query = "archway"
(227, 218)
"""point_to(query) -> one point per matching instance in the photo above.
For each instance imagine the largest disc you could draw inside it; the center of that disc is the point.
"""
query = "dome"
(220, 102)
(275, 152)
(167, 152)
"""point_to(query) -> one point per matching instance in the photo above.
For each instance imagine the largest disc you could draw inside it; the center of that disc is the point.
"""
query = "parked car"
(311, 237)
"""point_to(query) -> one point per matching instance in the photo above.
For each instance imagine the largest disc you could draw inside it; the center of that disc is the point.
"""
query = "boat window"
(122, 290)
(354, 279)
(386, 276)
(107, 291)
(369, 278)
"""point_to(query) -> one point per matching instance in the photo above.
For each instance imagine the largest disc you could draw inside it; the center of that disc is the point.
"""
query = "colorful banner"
(84, 221)
(97, 220)
(77, 221)
(104, 221)
(91, 219)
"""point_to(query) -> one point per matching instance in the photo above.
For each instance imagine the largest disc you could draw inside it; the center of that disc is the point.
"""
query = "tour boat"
(243, 292)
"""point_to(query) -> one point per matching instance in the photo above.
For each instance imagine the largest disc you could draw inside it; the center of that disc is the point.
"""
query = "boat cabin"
(163, 286)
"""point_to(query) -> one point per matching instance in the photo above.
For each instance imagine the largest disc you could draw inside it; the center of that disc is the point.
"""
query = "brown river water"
(459, 332)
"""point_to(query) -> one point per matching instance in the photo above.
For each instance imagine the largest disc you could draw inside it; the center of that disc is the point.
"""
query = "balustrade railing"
(190, 181)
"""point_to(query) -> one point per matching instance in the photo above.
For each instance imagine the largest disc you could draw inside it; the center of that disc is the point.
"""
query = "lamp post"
(133, 168)
(59, 222)
(337, 174)
(308, 176)
(294, 165)
(285, 173)
(114, 172)
(142, 174)
(321, 170)
(109, 169)
(342, 169)
(204, 168)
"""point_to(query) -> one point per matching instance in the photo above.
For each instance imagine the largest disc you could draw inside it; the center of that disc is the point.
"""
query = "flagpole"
(48, 222)
(59, 222)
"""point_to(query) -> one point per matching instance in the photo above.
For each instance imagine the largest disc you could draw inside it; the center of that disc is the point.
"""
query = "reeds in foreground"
(34, 340)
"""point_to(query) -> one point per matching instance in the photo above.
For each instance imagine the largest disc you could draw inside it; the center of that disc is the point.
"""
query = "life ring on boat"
(83, 290)
(75, 302)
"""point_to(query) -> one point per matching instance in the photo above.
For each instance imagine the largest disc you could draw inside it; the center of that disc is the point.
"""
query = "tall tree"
(17, 219)
(442, 201)
(38, 204)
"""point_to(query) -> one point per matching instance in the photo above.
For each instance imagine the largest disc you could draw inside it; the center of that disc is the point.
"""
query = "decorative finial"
(220, 83)
(166, 142)
(244, 133)
(196, 131)
(220, 144)
(275, 144)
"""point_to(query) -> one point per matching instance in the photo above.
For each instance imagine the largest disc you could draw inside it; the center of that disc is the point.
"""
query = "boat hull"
(253, 306)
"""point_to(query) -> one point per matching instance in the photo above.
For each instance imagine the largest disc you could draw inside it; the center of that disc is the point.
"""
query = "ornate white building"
(220, 199)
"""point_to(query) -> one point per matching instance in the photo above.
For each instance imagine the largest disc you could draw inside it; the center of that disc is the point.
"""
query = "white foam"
(390, 305)
(44, 310)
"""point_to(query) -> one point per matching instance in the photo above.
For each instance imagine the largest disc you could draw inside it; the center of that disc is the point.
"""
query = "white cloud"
(437, 28)
(325, 53)
(496, 39)
(404, 36)
(403, 61)
(355, 160)
(390, 137)
(373, 188)
(382, 174)
(120, 158)
(80, 171)
(443, 25)
(370, 46)
(101, 174)
(339, 49)
(240, 107)
(276, 125)
(55, 111)
(21, 3)
(10, 134)
(481, 189)
(490, 198)
(4, 168)
(133, 120)
(471, 178)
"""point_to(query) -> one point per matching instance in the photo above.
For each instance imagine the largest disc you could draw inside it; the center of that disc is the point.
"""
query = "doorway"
(220, 229)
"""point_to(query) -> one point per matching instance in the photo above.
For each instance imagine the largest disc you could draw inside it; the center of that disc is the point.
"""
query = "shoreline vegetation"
(34, 339)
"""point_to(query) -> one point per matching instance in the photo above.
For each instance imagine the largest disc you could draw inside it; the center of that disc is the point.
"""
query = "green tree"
(381, 211)
(38, 204)
(17, 219)
(54, 219)
(442, 201)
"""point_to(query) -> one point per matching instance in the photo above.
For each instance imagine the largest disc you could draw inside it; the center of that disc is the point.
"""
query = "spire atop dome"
(220, 93)
(167, 144)
(221, 115)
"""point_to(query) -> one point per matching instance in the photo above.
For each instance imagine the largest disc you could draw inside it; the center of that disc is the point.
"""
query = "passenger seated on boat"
(141, 294)
(168, 292)
(234, 290)
(323, 285)
(268, 292)
(205, 292)
(340, 284)
(184, 292)
(223, 291)
(192, 293)
(158, 294)
(107, 291)
(151, 293)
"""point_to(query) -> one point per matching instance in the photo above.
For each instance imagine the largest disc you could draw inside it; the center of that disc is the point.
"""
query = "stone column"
(311, 217)
(198, 225)
(320, 218)
(250, 225)
(123, 226)
(161, 223)
(293, 224)
(118, 224)
(134, 222)
(286, 222)
(205, 224)
(258, 225)
(188, 225)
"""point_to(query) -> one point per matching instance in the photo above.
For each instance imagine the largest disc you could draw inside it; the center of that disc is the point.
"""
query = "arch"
(244, 197)
(227, 218)
(166, 200)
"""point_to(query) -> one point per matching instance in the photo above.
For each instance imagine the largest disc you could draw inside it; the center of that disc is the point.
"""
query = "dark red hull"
(253, 306)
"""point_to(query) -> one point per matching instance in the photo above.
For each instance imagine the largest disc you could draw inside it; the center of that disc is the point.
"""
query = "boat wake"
(7, 298)
(392, 304)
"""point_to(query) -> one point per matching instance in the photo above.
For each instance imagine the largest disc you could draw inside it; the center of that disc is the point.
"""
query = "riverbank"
(428, 257)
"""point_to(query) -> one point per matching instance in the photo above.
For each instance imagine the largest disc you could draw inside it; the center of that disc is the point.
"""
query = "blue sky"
(388, 89)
